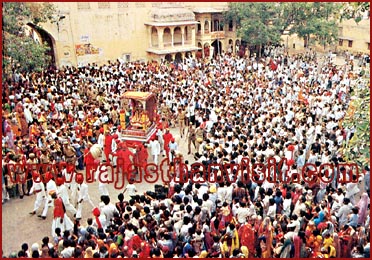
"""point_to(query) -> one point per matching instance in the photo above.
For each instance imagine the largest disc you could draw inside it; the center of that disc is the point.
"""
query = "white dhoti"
(80, 207)
(41, 201)
(66, 224)
(69, 207)
(103, 189)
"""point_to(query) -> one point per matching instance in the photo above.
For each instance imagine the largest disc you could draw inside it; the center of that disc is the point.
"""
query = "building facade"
(352, 37)
(95, 32)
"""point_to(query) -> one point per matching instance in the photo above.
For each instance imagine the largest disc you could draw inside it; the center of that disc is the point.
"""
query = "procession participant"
(124, 157)
(155, 149)
(79, 153)
(199, 134)
(38, 188)
(83, 195)
(102, 182)
(19, 175)
(114, 145)
(50, 185)
(60, 219)
(159, 135)
(108, 145)
(246, 235)
(181, 117)
(362, 205)
(90, 162)
(167, 139)
(69, 153)
(63, 193)
(140, 157)
(101, 138)
(173, 147)
(191, 137)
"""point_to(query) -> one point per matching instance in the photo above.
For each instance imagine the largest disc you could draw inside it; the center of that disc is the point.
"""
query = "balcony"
(168, 48)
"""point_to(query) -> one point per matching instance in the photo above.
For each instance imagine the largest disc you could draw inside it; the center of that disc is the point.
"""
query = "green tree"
(312, 21)
(354, 10)
(20, 51)
(263, 23)
(257, 23)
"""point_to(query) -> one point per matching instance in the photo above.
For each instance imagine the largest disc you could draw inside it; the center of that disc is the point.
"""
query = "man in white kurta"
(38, 188)
(63, 193)
(102, 178)
(83, 196)
(155, 149)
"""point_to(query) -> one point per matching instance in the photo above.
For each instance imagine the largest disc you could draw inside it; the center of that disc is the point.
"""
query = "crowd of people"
(227, 109)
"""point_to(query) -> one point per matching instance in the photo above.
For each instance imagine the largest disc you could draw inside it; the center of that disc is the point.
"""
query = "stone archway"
(217, 45)
(206, 50)
(178, 58)
(177, 36)
(154, 37)
(44, 37)
(167, 37)
(168, 57)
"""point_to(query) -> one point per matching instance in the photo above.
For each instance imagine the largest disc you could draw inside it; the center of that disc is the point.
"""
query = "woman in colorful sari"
(266, 230)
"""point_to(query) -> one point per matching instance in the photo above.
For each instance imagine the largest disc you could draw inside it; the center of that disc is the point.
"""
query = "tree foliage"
(20, 51)
(315, 19)
(261, 23)
(257, 23)
(354, 10)
(358, 117)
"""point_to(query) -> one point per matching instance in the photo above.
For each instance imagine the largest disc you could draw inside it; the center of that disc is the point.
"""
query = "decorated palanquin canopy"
(143, 96)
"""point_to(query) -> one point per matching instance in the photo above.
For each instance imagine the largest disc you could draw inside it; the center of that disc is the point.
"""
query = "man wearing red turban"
(167, 139)
(107, 145)
(141, 156)
(90, 163)
(124, 157)
(83, 194)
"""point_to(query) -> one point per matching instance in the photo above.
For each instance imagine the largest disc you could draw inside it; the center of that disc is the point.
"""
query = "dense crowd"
(226, 109)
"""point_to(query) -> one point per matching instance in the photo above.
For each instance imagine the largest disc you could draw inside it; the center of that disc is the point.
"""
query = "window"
(231, 27)
(216, 25)
(367, 45)
(123, 5)
(350, 44)
(126, 57)
(83, 5)
(221, 26)
(340, 42)
(103, 5)
(206, 27)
